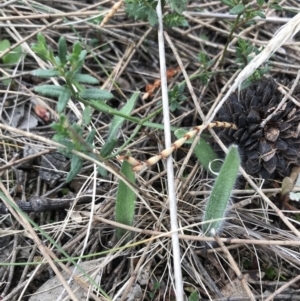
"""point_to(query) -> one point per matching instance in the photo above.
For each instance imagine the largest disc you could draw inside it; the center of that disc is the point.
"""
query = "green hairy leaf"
(47, 73)
(220, 195)
(97, 94)
(50, 90)
(63, 100)
(85, 79)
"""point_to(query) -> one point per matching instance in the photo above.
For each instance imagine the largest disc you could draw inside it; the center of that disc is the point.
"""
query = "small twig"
(111, 13)
(140, 166)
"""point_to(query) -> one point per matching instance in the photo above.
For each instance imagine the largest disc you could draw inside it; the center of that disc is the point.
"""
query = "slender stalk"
(170, 169)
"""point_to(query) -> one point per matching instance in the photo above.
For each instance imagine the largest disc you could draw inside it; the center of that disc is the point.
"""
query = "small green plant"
(146, 10)
(176, 97)
(245, 52)
(152, 294)
(220, 195)
(11, 58)
(245, 12)
(67, 66)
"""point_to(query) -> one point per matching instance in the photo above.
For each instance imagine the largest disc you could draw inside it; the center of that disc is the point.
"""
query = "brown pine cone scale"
(267, 148)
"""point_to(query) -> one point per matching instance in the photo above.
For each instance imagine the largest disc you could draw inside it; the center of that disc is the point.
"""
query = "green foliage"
(114, 129)
(237, 9)
(11, 58)
(71, 137)
(96, 94)
(203, 151)
(125, 201)
(152, 294)
(176, 97)
(245, 12)
(194, 296)
(175, 20)
(272, 274)
(68, 66)
(220, 195)
(146, 10)
(142, 9)
(245, 52)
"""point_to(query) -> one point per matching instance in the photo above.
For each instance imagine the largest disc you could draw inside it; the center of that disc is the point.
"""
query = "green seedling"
(146, 10)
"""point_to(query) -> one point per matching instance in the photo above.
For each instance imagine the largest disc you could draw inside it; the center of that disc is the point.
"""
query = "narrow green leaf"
(108, 147)
(238, 9)
(62, 50)
(90, 137)
(86, 116)
(125, 201)
(126, 110)
(97, 94)
(50, 90)
(102, 106)
(76, 164)
(63, 100)
(77, 49)
(220, 195)
(45, 72)
(85, 78)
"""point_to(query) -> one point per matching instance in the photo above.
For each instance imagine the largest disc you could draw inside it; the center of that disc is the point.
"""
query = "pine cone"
(269, 149)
